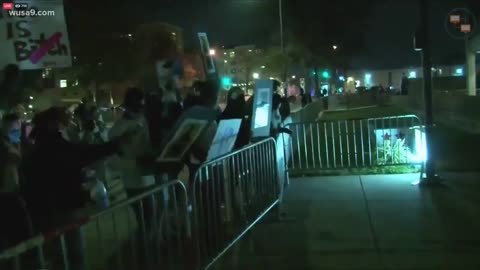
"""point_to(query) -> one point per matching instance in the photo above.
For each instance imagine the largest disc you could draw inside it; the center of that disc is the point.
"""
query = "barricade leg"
(75, 249)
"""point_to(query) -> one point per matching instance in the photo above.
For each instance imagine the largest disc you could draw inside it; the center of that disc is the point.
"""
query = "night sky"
(387, 36)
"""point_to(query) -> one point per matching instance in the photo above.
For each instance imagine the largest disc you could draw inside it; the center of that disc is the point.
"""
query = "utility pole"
(282, 41)
(430, 177)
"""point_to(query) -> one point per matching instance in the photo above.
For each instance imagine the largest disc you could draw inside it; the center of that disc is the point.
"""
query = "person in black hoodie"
(54, 180)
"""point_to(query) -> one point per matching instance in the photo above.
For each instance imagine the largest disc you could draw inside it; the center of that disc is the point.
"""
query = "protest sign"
(262, 109)
(225, 138)
(35, 37)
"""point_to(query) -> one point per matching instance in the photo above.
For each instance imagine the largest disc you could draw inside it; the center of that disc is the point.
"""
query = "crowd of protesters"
(43, 174)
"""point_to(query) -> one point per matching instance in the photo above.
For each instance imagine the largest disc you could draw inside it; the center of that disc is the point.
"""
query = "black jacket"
(54, 173)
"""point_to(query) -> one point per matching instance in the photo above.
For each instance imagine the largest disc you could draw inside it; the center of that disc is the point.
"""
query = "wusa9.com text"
(31, 13)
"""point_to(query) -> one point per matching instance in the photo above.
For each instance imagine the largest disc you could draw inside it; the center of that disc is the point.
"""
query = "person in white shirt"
(135, 180)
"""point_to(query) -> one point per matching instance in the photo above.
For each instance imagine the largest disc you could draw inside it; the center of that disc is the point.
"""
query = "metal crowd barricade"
(230, 195)
(358, 143)
(149, 231)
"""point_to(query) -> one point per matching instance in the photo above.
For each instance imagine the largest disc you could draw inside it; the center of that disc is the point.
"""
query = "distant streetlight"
(31, 97)
(212, 52)
(262, 66)
(334, 47)
(225, 61)
(255, 75)
(293, 77)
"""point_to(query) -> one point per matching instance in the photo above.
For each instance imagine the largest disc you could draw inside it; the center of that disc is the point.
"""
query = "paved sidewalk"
(369, 222)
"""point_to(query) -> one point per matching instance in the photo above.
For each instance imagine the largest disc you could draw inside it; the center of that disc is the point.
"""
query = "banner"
(34, 35)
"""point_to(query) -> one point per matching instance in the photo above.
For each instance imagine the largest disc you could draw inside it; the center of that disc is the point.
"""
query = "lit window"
(63, 83)
(412, 74)
(459, 71)
(232, 54)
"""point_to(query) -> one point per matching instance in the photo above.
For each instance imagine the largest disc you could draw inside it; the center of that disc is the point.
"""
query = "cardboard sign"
(184, 138)
(35, 42)
(208, 59)
(262, 109)
(185, 133)
(225, 138)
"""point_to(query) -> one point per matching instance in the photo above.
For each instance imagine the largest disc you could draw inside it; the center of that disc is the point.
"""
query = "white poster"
(225, 138)
(34, 35)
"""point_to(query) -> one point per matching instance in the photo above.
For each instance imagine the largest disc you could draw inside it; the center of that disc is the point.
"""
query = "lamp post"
(424, 36)
(282, 41)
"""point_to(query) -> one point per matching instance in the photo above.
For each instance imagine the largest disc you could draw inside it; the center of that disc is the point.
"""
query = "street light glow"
(262, 66)
(256, 75)
(212, 52)
(293, 77)
(225, 61)
(334, 47)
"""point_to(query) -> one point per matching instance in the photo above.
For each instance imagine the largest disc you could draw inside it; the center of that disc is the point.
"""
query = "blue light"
(341, 78)
(413, 74)
(226, 81)
(459, 71)
(368, 76)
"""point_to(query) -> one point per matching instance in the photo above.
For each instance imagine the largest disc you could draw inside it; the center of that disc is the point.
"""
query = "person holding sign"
(236, 109)
(134, 180)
